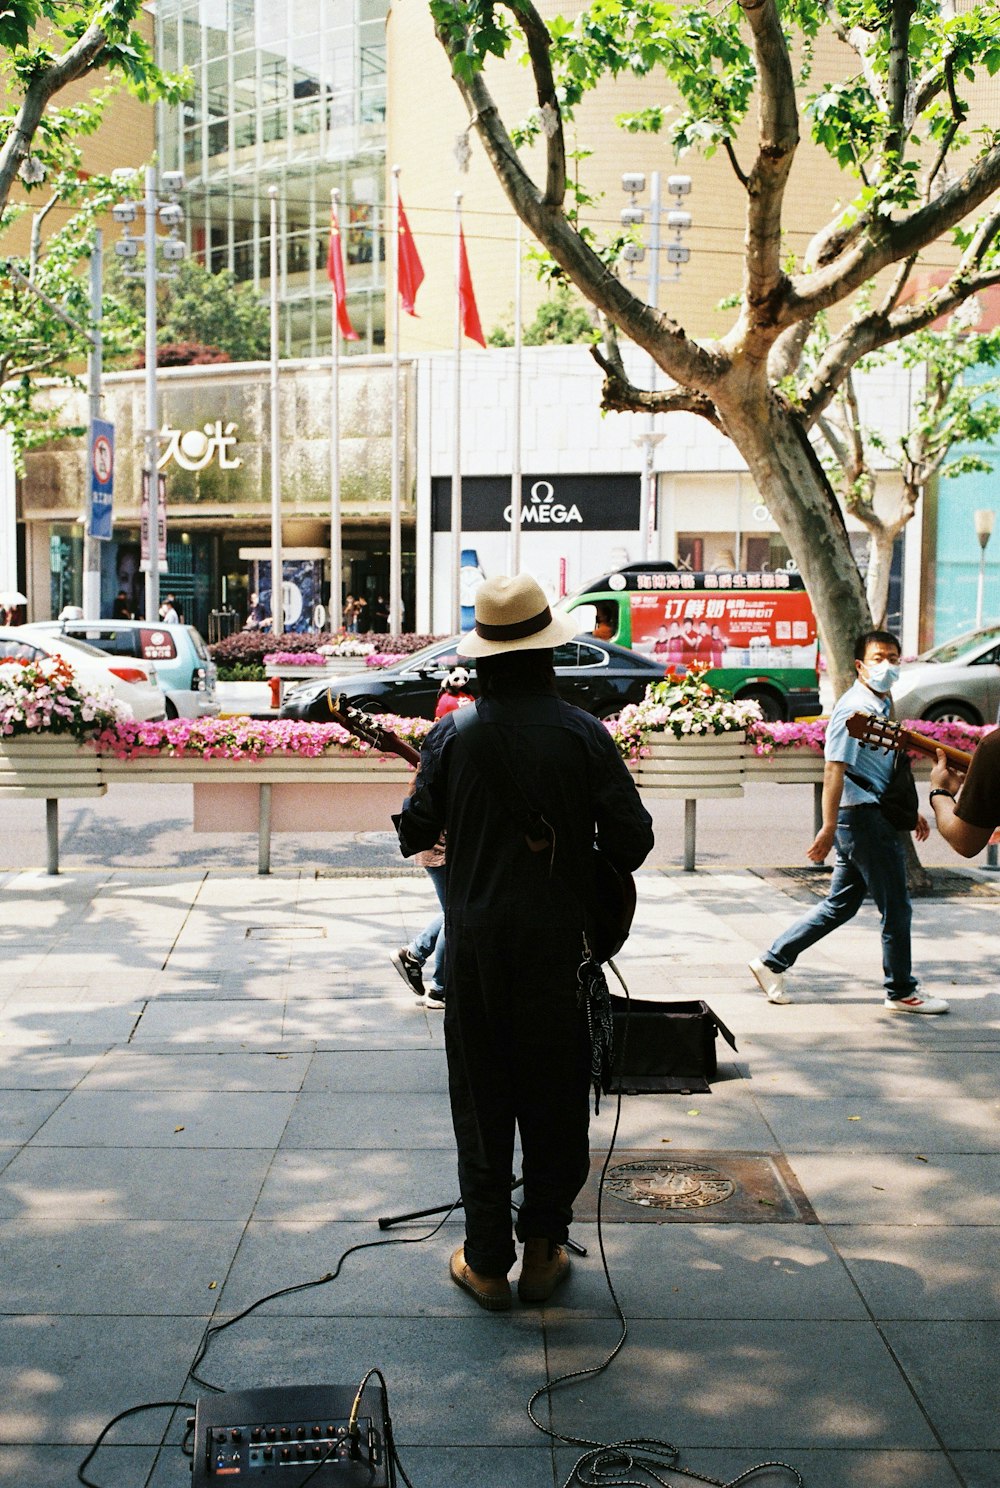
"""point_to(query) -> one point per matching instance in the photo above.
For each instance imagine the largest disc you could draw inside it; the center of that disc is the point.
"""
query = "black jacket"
(568, 768)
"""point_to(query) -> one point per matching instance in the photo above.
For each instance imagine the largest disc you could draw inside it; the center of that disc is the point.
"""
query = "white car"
(133, 682)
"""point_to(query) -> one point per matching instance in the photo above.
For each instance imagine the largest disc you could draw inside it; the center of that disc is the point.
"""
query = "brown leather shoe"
(491, 1292)
(544, 1266)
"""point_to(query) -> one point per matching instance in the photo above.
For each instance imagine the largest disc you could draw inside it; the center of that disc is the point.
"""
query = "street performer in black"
(518, 905)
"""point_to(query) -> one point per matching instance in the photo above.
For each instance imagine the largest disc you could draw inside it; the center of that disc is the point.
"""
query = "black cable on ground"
(133, 1410)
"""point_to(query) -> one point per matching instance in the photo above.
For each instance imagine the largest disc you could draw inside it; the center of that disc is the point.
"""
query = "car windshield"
(962, 646)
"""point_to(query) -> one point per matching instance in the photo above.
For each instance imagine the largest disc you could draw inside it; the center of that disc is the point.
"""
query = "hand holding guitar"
(944, 775)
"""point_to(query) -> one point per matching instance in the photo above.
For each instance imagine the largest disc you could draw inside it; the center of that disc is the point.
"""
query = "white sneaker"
(771, 983)
(916, 1003)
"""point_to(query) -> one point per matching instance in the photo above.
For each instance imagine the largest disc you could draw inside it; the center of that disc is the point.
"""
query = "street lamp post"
(983, 520)
(634, 183)
(173, 251)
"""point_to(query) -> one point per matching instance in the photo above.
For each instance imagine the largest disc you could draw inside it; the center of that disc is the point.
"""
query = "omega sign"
(575, 503)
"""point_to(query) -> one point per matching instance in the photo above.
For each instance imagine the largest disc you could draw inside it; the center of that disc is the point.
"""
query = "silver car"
(957, 682)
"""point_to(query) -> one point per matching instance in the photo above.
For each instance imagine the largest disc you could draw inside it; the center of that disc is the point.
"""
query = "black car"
(595, 675)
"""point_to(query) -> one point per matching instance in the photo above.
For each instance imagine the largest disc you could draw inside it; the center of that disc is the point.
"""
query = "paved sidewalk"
(211, 1084)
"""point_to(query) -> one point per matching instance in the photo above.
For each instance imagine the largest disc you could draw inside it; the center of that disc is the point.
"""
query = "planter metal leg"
(264, 830)
(690, 824)
(52, 833)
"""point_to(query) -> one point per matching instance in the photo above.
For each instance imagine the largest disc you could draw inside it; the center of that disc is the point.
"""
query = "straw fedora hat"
(514, 615)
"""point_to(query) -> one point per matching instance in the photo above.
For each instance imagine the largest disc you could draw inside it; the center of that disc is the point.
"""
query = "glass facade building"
(287, 93)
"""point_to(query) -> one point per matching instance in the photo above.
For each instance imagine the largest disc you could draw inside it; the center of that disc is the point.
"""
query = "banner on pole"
(102, 479)
(161, 524)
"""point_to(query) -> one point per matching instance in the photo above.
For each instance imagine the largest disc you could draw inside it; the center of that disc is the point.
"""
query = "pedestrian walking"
(516, 920)
(869, 850)
(429, 945)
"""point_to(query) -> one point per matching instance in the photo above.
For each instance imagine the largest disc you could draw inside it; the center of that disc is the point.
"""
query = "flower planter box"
(300, 673)
(47, 766)
(785, 767)
(698, 766)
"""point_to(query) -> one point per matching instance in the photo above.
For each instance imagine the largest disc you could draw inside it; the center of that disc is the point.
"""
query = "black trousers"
(518, 1057)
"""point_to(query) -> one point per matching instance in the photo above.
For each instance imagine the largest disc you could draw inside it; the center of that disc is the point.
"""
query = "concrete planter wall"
(46, 765)
(699, 766)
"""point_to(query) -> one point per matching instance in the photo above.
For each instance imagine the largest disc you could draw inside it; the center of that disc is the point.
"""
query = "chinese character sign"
(774, 629)
(161, 523)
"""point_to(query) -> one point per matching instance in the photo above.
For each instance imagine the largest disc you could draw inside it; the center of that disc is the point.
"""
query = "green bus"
(755, 632)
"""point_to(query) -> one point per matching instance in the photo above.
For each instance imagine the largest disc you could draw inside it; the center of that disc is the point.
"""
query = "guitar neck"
(959, 759)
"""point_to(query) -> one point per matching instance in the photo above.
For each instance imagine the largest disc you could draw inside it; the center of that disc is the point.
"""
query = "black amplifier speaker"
(289, 1435)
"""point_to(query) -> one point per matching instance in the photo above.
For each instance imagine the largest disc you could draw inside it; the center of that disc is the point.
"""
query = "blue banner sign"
(102, 479)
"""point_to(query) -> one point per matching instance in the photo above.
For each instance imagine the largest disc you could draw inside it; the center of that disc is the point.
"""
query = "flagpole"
(336, 545)
(277, 574)
(395, 526)
(515, 475)
(456, 468)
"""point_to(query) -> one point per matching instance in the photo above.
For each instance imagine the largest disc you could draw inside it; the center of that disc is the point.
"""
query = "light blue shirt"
(875, 765)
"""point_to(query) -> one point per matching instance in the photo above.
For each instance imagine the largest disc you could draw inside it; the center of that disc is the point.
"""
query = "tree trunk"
(882, 542)
(802, 502)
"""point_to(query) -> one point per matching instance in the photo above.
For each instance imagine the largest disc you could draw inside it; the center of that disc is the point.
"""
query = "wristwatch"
(939, 791)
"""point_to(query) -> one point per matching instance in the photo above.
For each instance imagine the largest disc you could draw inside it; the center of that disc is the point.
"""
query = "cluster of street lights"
(678, 221)
(173, 249)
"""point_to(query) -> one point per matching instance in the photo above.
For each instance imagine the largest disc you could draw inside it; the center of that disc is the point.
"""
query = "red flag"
(335, 273)
(409, 269)
(467, 295)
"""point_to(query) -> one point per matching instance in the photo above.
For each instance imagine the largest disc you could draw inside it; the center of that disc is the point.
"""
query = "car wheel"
(771, 706)
(610, 712)
(951, 713)
(171, 710)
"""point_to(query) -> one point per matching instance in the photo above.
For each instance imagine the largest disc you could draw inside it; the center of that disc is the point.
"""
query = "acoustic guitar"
(613, 907)
(878, 733)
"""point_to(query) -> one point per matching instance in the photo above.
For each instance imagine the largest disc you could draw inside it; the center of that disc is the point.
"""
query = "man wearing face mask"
(869, 851)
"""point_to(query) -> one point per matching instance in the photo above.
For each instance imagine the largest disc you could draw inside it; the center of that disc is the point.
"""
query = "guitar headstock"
(355, 720)
(875, 733)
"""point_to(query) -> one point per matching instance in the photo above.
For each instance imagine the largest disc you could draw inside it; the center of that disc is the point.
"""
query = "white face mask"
(881, 676)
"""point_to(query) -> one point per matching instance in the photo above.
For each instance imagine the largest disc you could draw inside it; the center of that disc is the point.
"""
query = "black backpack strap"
(498, 777)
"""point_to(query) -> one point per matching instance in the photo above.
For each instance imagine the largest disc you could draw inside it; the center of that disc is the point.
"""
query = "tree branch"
(899, 75)
(35, 251)
(682, 359)
(738, 171)
(880, 247)
(778, 138)
(79, 59)
(622, 396)
(538, 39)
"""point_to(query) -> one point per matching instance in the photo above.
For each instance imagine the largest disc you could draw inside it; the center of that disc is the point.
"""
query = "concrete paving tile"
(168, 1118)
(951, 1367)
(819, 1469)
(211, 1024)
(434, 1368)
(896, 1075)
(142, 1267)
(31, 1463)
(377, 1120)
(134, 1069)
(24, 1022)
(391, 1071)
(127, 1183)
(486, 1467)
(861, 1124)
(709, 1271)
(355, 1185)
(978, 1469)
(898, 1188)
(719, 1120)
(65, 1377)
(371, 1022)
(22, 1112)
(741, 1384)
(927, 1272)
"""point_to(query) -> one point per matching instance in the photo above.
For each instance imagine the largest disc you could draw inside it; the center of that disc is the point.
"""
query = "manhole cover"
(668, 1185)
(690, 1187)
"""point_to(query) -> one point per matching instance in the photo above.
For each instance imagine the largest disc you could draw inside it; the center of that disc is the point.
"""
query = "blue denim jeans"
(869, 860)
(430, 941)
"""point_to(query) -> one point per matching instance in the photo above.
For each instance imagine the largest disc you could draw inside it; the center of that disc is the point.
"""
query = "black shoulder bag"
(898, 802)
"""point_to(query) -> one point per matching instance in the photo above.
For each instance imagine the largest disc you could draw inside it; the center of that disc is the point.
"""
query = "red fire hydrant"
(275, 685)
